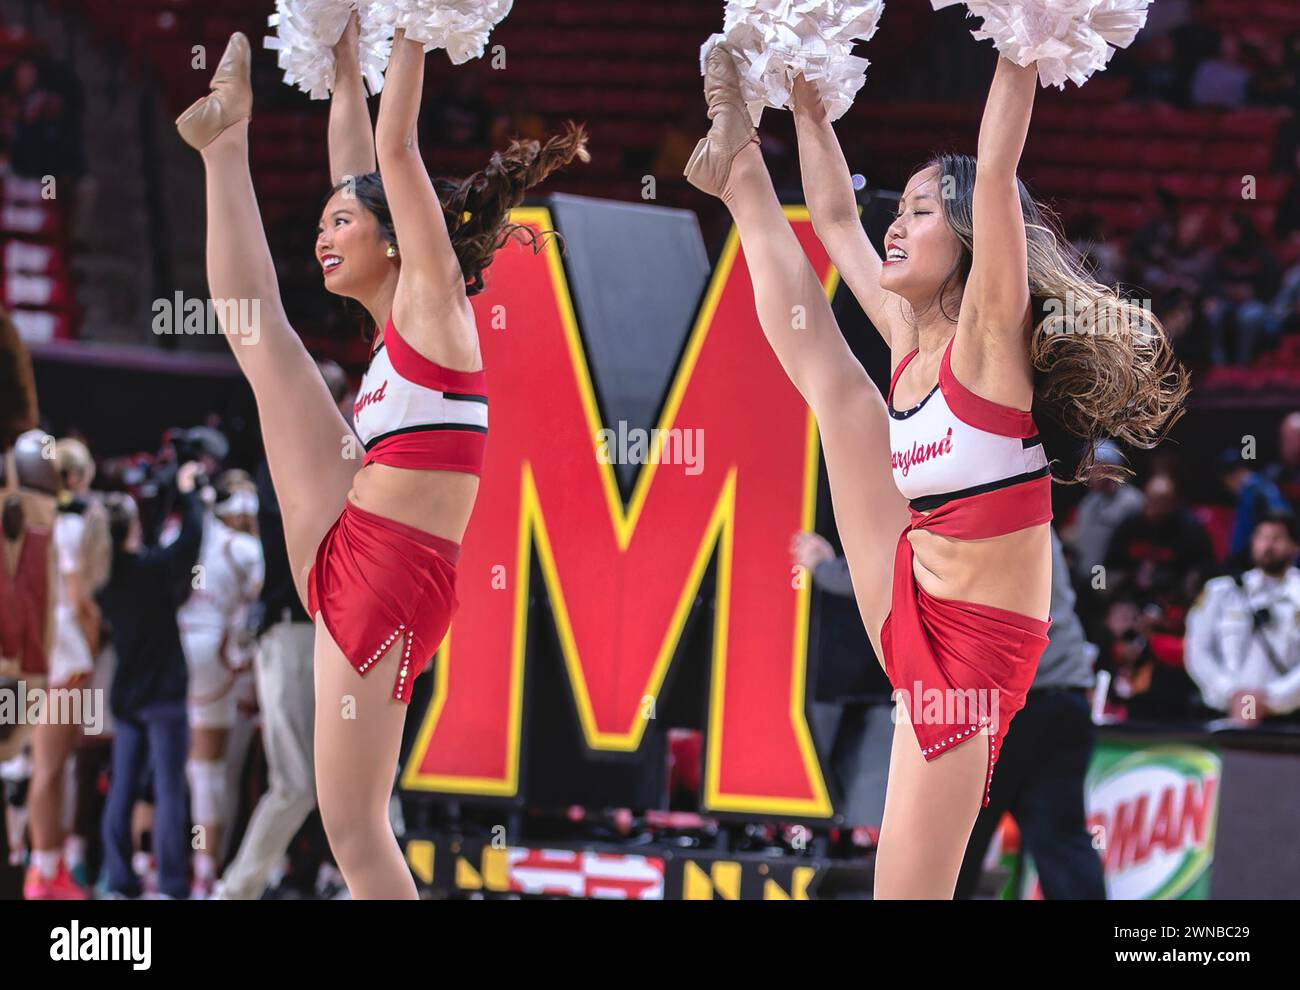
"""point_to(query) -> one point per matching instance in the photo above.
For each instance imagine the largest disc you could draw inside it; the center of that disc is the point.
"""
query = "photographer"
(1243, 634)
(149, 689)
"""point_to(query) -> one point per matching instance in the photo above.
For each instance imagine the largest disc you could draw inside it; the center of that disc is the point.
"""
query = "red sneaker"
(61, 888)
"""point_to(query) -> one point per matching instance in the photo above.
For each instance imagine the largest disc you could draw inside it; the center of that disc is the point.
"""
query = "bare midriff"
(437, 502)
(1011, 572)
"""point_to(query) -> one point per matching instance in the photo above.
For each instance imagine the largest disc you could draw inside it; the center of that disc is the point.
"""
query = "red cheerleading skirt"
(377, 581)
(960, 666)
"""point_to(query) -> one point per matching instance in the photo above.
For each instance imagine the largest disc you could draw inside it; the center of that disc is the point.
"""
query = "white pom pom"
(775, 40)
(376, 44)
(306, 32)
(462, 27)
(1068, 39)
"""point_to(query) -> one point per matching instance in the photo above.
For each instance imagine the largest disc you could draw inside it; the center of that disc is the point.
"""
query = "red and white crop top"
(413, 413)
(955, 444)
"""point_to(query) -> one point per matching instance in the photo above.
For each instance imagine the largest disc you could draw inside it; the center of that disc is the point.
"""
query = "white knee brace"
(207, 791)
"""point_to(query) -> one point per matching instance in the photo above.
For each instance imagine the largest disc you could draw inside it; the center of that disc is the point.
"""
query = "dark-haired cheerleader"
(373, 536)
(942, 489)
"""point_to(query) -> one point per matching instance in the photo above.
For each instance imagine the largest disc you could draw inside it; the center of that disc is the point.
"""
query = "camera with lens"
(151, 480)
(198, 443)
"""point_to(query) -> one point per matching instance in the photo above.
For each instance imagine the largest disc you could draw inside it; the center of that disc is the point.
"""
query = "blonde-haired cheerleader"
(942, 489)
(82, 556)
(373, 535)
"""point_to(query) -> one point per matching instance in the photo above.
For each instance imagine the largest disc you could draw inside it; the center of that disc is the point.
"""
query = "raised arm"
(180, 556)
(828, 191)
(351, 135)
(431, 297)
(996, 300)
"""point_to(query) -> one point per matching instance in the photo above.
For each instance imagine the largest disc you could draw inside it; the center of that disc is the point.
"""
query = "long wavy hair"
(477, 208)
(1103, 364)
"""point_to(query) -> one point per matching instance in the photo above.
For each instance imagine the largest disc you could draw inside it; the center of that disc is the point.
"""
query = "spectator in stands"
(1162, 552)
(149, 689)
(1272, 82)
(1183, 326)
(1107, 504)
(1284, 315)
(1285, 474)
(1242, 282)
(1144, 686)
(1254, 496)
(1243, 634)
(1183, 262)
(45, 103)
(1222, 81)
(1194, 43)
(1151, 241)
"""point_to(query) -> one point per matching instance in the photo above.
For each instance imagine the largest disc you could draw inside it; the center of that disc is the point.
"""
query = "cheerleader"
(941, 489)
(373, 534)
(81, 554)
(211, 622)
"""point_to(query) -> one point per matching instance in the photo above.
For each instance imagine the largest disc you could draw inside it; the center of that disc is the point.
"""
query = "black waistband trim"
(465, 397)
(1034, 441)
(928, 503)
(430, 428)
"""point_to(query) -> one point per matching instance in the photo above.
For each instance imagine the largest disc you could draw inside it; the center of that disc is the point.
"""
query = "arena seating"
(1092, 151)
(1274, 18)
(1107, 159)
(36, 284)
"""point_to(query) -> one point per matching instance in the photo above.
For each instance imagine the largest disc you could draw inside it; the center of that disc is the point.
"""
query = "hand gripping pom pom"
(775, 40)
(462, 27)
(1069, 39)
(306, 32)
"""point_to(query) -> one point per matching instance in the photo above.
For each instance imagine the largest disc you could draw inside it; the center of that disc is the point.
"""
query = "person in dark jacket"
(149, 690)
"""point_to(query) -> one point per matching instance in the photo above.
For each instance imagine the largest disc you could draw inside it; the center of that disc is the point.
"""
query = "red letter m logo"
(621, 577)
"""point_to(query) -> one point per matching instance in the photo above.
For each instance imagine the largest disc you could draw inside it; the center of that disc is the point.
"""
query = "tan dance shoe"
(732, 129)
(230, 101)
